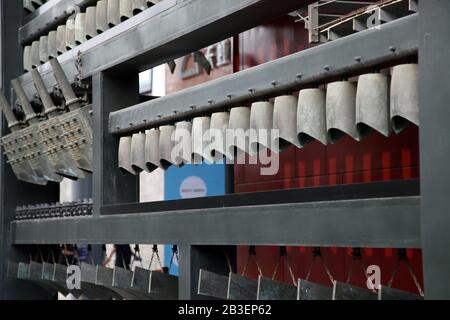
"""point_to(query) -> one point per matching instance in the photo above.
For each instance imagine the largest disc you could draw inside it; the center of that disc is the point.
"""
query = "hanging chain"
(317, 253)
(174, 255)
(356, 257)
(251, 253)
(283, 255)
(155, 252)
(402, 256)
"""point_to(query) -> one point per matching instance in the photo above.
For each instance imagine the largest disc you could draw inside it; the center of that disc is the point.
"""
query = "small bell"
(405, 96)
(166, 145)
(125, 155)
(70, 34)
(113, 15)
(138, 152)
(311, 117)
(61, 39)
(126, 9)
(152, 150)
(35, 56)
(218, 130)
(80, 28)
(237, 140)
(285, 120)
(101, 19)
(27, 65)
(261, 121)
(183, 142)
(91, 22)
(372, 104)
(341, 110)
(52, 45)
(200, 139)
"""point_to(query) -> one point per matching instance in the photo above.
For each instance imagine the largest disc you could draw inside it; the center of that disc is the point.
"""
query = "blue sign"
(191, 181)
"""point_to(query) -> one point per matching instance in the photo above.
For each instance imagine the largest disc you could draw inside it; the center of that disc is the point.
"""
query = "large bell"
(200, 127)
(387, 293)
(211, 284)
(80, 28)
(261, 122)
(183, 142)
(241, 288)
(35, 57)
(166, 145)
(372, 104)
(113, 15)
(90, 286)
(125, 155)
(138, 152)
(91, 22)
(311, 117)
(126, 9)
(70, 34)
(344, 291)
(27, 65)
(285, 120)
(101, 19)
(152, 150)
(61, 39)
(269, 289)
(341, 110)
(237, 140)
(138, 6)
(52, 45)
(43, 49)
(307, 290)
(404, 96)
(217, 132)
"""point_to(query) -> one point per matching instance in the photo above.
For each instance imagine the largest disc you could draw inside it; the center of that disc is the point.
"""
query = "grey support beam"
(168, 30)
(383, 222)
(391, 41)
(48, 17)
(435, 145)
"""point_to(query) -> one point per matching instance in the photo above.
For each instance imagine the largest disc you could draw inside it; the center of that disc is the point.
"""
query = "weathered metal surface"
(89, 285)
(344, 291)
(312, 291)
(212, 284)
(387, 293)
(241, 288)
(269, 289)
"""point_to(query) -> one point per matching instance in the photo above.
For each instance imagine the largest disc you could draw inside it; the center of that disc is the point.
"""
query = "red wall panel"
(376, 158)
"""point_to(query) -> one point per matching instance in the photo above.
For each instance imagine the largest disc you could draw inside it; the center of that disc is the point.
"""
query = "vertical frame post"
(13, 192)
(111, 92)
(434, 54)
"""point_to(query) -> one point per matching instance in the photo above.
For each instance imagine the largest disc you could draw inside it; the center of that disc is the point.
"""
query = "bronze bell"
(237, 139)
(311, 116)
(341, 110)
(125, 155)
(372, 104)
(261, 121)
(152, 150)
(138, 152)
(405, 96)
(285, 120)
